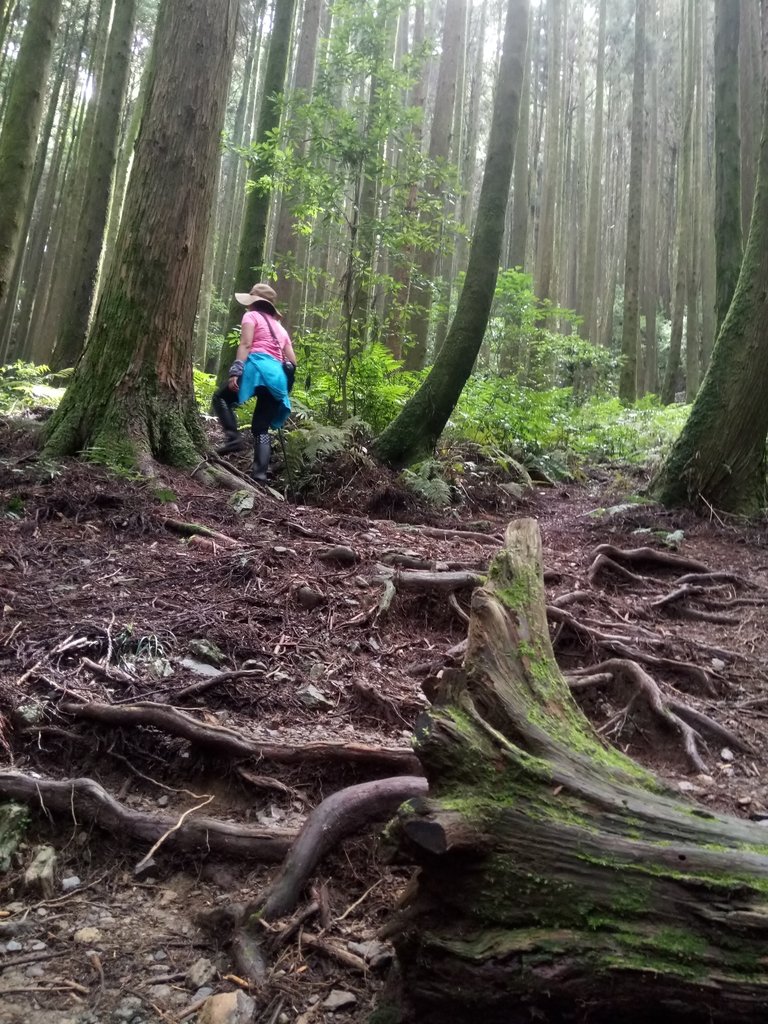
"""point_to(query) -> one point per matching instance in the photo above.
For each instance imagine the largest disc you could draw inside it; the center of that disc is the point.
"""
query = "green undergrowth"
(554, 430)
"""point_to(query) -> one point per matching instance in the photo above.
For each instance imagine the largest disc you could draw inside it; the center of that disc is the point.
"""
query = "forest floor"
(104, 603)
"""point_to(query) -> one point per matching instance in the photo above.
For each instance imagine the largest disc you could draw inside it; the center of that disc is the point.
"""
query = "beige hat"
(260, 292)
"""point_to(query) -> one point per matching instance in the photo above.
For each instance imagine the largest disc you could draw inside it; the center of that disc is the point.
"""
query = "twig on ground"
(191, 810)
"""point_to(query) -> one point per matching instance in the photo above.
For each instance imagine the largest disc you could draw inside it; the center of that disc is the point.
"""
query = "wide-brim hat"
(261, 292)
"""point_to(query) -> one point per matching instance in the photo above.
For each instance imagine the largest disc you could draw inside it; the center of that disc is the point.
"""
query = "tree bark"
(521, 193)
(631, 325)
(20, 126)
(253, 237)
(720, 455)
(131, 397)
(98, 181)
(423, 283)
(416, 429)
(728, 236)
(545, 256)
(558, 879)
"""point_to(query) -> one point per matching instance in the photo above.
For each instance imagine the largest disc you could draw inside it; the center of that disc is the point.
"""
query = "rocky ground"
(297, 641)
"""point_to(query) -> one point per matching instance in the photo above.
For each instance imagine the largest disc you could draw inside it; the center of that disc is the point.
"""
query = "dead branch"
(445, 534)
(227, 741)
(198, 530)
(88, 800)
(333, 951)
(442, 582)
(574, 597)
(633, 674)
(194, 689)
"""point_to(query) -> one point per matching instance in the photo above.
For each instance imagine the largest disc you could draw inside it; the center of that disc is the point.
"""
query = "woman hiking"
(265, 365)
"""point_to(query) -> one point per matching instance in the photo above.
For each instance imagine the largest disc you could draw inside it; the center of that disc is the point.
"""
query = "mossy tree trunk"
(414, 432)
(558, 879)
(131, 397)
(18, 139)
(720, 456)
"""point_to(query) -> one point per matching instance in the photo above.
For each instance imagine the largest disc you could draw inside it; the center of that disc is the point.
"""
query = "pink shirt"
(262, 337)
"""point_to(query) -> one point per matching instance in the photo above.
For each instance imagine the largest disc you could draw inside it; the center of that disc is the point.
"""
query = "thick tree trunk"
(20, 126)
(131, 397)
(416, 429)
(631, 323)
(545, 255)
(521, 195)
(559, 880)
(101, 164)
(728, 236)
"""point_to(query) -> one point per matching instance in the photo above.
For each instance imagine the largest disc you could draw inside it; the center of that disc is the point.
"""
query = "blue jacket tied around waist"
(262, 370)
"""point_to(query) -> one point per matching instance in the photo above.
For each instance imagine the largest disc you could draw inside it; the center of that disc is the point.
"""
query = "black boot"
(233, 441)
(262, 449)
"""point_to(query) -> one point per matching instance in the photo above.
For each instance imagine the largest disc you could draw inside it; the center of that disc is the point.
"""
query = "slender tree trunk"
(253, 237)
(693, 283)
(589, 282)
(131, 397)
(423, 283)
(521, 204)
(19, 134)
(683, 231)
(416, 429)
(101, 165)
(651, 286)
(728, 236)
(546, 241)
(631, 329)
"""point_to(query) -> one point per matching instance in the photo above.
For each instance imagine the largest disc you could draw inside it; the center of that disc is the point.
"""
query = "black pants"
(225, 400)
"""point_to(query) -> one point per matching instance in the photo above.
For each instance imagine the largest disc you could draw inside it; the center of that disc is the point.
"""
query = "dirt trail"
(103, 603)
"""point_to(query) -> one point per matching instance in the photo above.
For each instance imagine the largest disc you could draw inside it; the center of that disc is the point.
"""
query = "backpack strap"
(270, 328)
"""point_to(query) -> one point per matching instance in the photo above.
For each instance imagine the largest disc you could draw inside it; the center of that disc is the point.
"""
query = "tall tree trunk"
(720, 456)
(631, 329)
(683, 229)
(651, 282)
(545, 258)
(422, 285)
(416, 429)
(558, 880)
(289, 245)
(22, 121)
(131, 397)
(588, 297)
(728, 236)
(93, 214)
(693, 281)
(253, 237)
(749, 102)
(521, 192)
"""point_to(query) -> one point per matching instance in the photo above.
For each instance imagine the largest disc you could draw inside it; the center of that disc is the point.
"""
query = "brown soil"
(88, 571)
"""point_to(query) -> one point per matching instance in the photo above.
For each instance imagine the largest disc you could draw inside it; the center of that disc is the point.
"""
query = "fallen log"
(558, 879)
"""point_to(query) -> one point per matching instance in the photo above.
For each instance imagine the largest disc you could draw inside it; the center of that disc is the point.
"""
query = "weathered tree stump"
(560, 880)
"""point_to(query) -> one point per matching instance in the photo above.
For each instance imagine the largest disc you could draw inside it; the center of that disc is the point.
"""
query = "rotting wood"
(591, 892)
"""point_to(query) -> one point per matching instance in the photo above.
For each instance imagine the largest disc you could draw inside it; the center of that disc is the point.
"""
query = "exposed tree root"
(442, 534)
(671, 713)
(620, 645)
(203, 685)
(234, 744)
(343, 814)
(87, 800)
(608, 555)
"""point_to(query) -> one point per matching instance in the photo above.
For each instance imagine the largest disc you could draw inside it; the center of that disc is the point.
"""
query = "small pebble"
(35, 971)
(13, 946)
(163, 801)
(203, 993)
(726, 754)
(160, 955)
(37, 946)
(69, 883)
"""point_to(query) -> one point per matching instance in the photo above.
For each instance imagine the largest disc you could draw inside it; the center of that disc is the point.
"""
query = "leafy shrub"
(27, 386)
